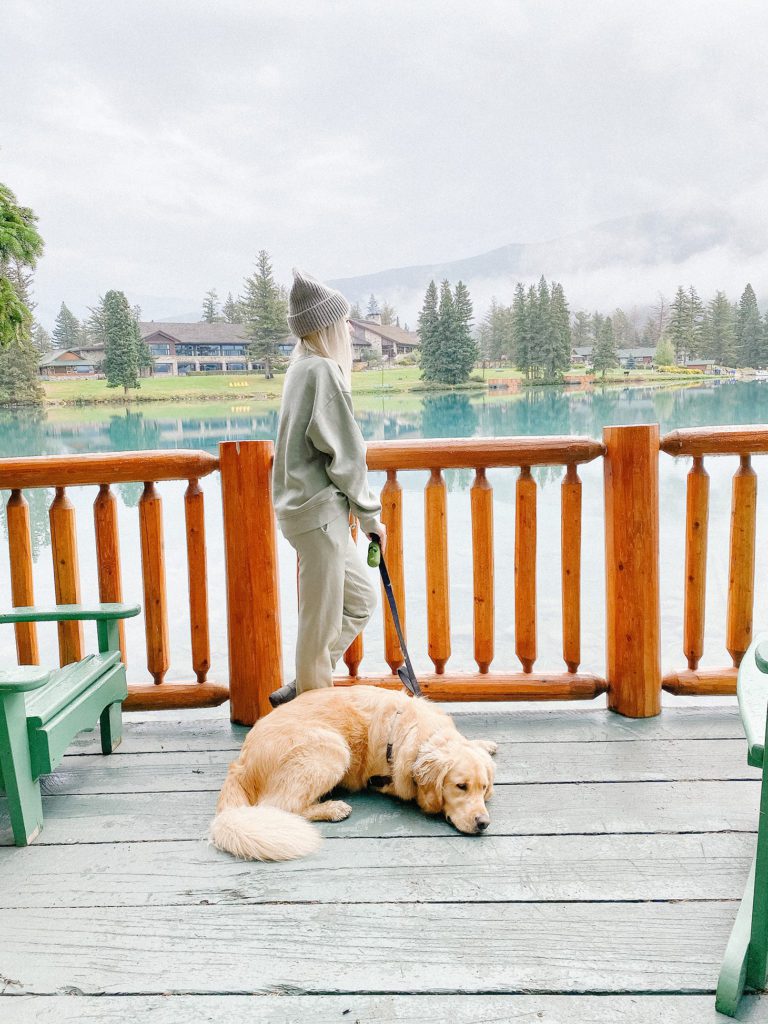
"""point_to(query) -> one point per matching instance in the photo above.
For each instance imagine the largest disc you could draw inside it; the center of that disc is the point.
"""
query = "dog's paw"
(329, 810)
(487, 745)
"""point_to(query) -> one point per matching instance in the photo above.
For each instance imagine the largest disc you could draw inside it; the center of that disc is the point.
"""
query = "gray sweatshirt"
(320, 469)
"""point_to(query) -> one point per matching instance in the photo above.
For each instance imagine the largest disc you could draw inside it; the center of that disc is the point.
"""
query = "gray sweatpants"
(337, 596)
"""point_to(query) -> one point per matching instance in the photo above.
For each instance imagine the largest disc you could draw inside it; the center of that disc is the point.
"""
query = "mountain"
(623, 261)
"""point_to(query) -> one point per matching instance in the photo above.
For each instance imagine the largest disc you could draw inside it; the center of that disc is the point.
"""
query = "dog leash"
(405, 672)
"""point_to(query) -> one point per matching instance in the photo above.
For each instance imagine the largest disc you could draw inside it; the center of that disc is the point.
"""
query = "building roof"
(639, 351)
(389, 331)
(202, 332)
(58, 358)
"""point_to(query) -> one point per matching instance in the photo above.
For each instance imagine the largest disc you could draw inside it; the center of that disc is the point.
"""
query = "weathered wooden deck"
(605, 890)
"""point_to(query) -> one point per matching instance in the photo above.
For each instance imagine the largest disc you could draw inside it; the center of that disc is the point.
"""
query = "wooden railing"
(697, 444)
(105, 470)
(630, 455)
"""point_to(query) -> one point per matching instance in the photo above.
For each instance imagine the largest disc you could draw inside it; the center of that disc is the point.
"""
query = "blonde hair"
(333, 342)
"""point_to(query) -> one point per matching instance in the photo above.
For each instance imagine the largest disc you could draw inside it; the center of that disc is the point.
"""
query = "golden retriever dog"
(354, 737)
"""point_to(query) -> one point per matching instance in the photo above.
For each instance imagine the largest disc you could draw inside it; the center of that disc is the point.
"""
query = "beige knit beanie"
(312, 305)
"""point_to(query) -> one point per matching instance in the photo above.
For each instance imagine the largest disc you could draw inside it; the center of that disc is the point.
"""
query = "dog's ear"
(429, 771)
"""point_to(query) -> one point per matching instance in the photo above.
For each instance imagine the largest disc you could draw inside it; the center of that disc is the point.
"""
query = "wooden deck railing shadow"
(630, 456)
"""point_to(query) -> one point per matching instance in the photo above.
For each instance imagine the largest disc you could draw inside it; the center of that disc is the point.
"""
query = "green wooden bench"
(746, 954)
(41, 711)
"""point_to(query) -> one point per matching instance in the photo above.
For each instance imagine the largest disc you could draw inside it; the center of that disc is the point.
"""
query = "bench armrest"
(752, 690)
(22, 678)
(71, 613)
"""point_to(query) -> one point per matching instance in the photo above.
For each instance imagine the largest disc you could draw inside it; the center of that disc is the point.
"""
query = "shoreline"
(413, 387)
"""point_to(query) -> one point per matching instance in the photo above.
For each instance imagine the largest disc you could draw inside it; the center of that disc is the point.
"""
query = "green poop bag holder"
(405, 672)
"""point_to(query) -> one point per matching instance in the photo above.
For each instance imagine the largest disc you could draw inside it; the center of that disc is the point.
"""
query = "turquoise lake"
(75, 430)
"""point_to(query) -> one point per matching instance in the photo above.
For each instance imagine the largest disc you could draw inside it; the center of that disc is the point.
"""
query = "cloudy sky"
(163, 142)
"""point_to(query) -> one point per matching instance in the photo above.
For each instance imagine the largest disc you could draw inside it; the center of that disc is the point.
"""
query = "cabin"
(637, 357)
(624, 811)
(70, 362)
(383, 342)
(182, 348)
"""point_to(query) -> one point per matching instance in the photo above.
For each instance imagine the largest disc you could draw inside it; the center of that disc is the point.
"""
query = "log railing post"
(22, 587)
(633, 658)
(253, 594)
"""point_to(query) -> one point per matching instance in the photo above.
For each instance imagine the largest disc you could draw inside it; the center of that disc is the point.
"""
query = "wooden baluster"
(22, 587)
(392, 518)
(253, 586)
(696, 519)
(525, 569)
(632, 646)
(570, 555)
(153, 572)
(108, 553)
(194, 515)
(481, 501)
(741, 576)
(438, 596)
(66, 573)
(354, 653)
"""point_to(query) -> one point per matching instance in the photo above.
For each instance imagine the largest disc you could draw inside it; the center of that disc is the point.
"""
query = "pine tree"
(356, 313)
(41, 339)
(560, 330)
(604, 355)
(388, 314)
(232, 310)
(581, 331)
(20, 248)
(686, 323)
(495, 333)
(719, 334)
(373, 306)
(121, 350)
(265, 311)
(429, 342)
(67, 331)
(211, 314)
(523, 312)
(463, 355)
(749, 330)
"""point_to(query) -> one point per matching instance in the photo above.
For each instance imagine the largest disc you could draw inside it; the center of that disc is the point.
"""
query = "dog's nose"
(482, 822)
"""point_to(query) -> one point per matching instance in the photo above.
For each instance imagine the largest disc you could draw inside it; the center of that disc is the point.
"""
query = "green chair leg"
(111, 722)
(733, 973)
(22, 790)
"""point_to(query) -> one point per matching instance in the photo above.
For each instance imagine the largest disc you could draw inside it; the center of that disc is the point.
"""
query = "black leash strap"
(405, 672)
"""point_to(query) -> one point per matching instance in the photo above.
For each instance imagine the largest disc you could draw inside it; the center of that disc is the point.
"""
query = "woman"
(319, 476)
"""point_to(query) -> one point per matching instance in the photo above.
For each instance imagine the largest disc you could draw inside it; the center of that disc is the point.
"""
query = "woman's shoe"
(283, 695)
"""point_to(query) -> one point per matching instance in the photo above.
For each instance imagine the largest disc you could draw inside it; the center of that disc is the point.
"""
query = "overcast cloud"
(163, 143)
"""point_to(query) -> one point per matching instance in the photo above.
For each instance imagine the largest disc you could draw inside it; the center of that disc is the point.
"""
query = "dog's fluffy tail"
(259, 832)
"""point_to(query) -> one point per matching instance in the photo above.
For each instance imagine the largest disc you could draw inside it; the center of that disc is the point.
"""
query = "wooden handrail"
(698, 441)
(106, 467)
(481, 452)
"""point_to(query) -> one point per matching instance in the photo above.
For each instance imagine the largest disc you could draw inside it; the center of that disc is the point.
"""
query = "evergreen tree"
(496, 333)
(373, 306)
(122, 342)
(544, 347)
(232, 310)
(686, 324)
(265, 310)
(429, 342)
(19, 375)
(719, 334)
(388, 314)
(356, 313)
(749, 331)
(604, 355)
(560, 328)
(41, 339)
(211, 314)
(581, 331)
(523, 314)
(67, 332)
(463, 354)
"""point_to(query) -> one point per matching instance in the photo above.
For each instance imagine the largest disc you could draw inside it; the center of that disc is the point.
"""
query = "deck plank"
(559, 725)
(459, 869)
(590, 808)
(442, 948)
(684, 760)
(426, 1009)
